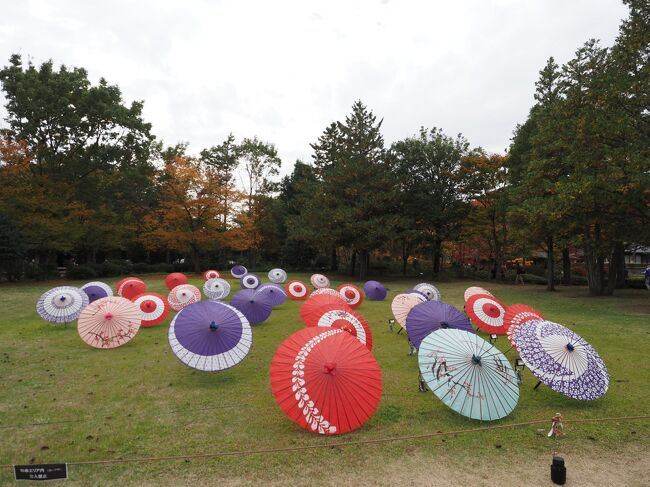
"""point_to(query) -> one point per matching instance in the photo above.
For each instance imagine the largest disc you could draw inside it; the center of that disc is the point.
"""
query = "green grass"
(138, 400)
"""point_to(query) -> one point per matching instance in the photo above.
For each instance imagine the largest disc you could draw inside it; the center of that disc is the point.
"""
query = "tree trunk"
(353, 263)
(405, 258)
(168, 259)
(615, 274)
(618, 256)
(566, 267)
(594, 264)
(550, 265)
(334, 262)
(195, 261)
(437, 255)
(363, 264)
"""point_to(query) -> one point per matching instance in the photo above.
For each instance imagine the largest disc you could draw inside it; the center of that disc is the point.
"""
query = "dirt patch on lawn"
(593, 467)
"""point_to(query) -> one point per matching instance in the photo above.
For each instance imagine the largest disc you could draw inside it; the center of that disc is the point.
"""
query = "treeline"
(84, 179)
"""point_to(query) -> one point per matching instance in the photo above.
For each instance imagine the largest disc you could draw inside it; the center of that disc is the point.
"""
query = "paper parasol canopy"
(468, 374)
(249, 281)
(403, 303)
(487, 313)
(183, 295)
(210, 336)
(325, 380)
(255, 307)
(97, 290)
(324, 290)
(276, 293)
(154, 308)
(310, 310)
(216, 288)
(433, 315)
(517, 314)
(375, 291)
(296, 290)
(131, 287)
(238, 271)
(277, 276)
(351, 294)
(211, 274)
(429, 290)
(561, 359)
(319, 281)
(347, 320)
(61, 304)
(472, 290)
(109, 322)
(175, 279)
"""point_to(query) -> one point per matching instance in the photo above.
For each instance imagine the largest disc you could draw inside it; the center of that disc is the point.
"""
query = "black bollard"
(558, 470)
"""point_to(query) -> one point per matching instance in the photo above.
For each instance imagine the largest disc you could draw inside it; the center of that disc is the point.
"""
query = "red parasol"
(518, 314)
(352, 294)
(183, 295)
(131, 287)
(175, 279)
(311, 310)
(211, 274)
(325, 381)
(487, 313)
(121, 281)
(153, 306)
(472, 290)
(296, 290)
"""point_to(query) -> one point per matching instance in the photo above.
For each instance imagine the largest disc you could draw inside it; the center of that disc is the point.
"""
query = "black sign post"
(46, 471)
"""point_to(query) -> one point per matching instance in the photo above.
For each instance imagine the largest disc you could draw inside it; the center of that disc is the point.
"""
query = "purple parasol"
(250, 281)
(433, 315)
(255, 307)
(210, 336)
(97, 290)
(275, 292)
(375, 291)
(238, 271)
(561, 359)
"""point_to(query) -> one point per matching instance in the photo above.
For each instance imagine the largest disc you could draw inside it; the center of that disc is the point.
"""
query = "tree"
(484, 180)
(428, 167)
(355, 194)
(187, 218)
(224, 158)
(89, 154)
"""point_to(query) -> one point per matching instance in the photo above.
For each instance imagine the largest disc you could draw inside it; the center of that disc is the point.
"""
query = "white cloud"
(284, 70)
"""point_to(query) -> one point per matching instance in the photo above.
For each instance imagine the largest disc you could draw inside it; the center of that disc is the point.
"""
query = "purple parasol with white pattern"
(561, 359)
(250, 281)
(61, 304)
(210, 336)
(97, 290)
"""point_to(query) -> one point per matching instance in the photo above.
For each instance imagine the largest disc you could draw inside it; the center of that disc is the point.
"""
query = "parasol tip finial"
(214, 326)
(329, 368)
(476, 360)
(444, 324)
(108, 316)
(570, 347)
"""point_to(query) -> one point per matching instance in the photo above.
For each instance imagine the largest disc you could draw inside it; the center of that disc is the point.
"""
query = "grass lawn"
(139, 400)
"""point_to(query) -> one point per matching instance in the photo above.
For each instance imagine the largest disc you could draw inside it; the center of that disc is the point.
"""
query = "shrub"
(143, 268)
(80, 272)
(41, 272)
(484, 275)
(163, 268)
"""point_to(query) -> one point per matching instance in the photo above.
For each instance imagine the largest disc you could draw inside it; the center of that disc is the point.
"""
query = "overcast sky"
(284, 70)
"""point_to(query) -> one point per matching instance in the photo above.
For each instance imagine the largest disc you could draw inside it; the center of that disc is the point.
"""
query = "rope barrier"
(338, 444)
